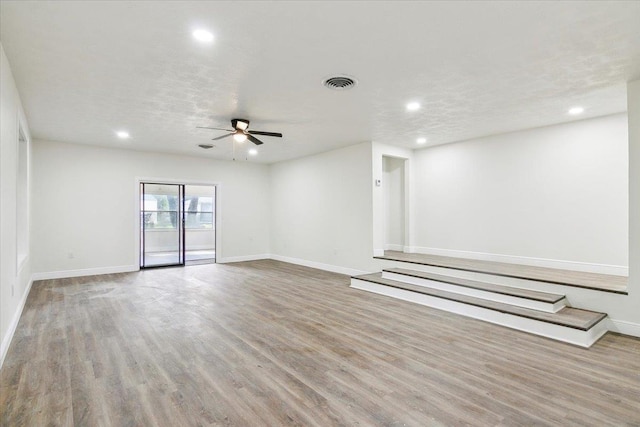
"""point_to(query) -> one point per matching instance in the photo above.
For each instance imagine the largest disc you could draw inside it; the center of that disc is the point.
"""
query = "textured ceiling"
(87, 69)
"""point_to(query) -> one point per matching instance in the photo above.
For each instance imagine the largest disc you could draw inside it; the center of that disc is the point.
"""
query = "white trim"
(545, 329)
(21, 258)
(616, 270)
(378, 252)
(319, 265)
(84, 272)
(6, 342)
(624, 327)
(393, 247)
(242, 258)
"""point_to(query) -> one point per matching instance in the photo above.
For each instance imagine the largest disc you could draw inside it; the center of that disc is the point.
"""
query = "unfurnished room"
(320, 213)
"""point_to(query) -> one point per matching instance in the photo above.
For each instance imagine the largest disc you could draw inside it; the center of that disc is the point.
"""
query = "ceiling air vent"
(339, 82)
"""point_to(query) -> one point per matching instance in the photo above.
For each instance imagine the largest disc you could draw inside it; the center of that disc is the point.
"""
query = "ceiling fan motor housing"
(241, 132)
(240, 124)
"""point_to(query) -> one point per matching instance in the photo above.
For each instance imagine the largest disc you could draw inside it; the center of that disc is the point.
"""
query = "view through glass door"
(177, 224)
(161, 235)
(199, 223)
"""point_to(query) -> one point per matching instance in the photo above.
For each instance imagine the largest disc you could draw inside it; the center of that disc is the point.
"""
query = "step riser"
(488, 295)
(515, 282)
(570, 335)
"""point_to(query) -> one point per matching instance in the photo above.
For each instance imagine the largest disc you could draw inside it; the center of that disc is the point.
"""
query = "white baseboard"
(378, 252)
(242, 258)
(394, 247)
(624, 327)
(319, 265)
(616, 270)
(6, 341)
(84, 272)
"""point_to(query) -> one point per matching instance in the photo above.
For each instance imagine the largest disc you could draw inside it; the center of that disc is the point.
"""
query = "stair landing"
(568, 324)
(569, 317)
(596, 281)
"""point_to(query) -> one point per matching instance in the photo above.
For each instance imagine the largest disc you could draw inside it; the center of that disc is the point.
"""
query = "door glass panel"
(199, 221)
(160, 225)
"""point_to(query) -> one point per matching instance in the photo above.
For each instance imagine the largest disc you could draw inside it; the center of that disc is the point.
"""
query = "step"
(593, 281)
(571, 325)
(535, 300)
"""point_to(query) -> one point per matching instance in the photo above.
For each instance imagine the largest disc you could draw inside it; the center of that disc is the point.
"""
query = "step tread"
(484, 286)
(596, 281)
(570, 317)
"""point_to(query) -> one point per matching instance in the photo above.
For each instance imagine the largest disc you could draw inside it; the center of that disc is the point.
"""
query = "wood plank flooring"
(602, 282)
(269, 343)
(483, 286)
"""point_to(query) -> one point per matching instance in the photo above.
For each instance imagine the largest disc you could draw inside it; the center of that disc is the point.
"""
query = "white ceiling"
(87, 69)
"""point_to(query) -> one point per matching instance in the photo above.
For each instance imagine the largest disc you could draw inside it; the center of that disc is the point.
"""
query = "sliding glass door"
(162, 234)
(199, 223)
(177, 224)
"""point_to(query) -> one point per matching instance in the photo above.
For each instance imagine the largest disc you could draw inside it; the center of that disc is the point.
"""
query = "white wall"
(557, 193)
(622, 309)
(15, 273)
(85, 202)
(393, 193)
(321, 210)
(632, 307)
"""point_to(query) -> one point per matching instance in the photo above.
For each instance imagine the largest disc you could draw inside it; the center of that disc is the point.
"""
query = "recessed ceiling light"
(421, 140)
(576, 110)
(253, 151)
(122, 134)
(413, 106)
(203, 36)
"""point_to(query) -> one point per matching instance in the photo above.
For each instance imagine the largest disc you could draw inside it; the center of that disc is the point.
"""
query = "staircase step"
(595, 281)
(507, 294)
(579, 327)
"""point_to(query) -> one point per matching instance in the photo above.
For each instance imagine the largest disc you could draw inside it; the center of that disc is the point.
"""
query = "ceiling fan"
(241, 132)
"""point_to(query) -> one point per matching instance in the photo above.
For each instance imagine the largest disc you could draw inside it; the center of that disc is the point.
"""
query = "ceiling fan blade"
(222, 136)
(206, 127)
(254, 140)
(258, 132)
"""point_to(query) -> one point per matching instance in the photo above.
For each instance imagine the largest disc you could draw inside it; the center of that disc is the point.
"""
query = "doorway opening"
(393, 189)
(177, 224)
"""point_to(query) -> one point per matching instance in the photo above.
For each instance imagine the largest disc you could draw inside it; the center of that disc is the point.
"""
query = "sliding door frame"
(179, 225)
(217, 213)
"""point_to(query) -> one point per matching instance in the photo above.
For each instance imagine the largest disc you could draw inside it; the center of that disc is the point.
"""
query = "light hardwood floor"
(269, 343)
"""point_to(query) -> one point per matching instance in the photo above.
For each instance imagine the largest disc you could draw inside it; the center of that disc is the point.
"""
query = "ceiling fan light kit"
(241, 132)
(239, 136)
